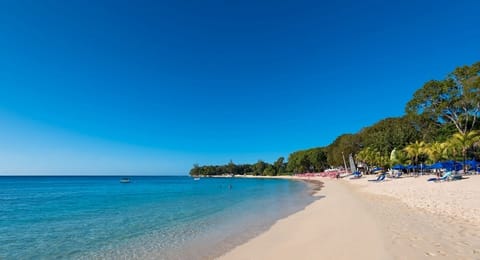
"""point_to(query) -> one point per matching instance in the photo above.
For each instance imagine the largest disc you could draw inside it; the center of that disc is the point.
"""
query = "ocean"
(149, 218)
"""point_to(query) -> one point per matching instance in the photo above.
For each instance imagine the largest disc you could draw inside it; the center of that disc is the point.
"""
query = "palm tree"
(414, 150)
(372, 157)
(463, 142)
(383, 161)
(436, 151)
(365, 155)
(398, 157)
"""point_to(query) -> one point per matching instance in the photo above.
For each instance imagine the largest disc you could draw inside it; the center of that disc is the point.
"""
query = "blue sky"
(151, 87)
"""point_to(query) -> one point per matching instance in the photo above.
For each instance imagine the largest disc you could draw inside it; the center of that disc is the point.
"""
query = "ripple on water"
(155, 217)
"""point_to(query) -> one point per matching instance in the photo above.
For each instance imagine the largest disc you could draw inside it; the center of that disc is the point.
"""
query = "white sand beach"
(455, 199)
(406, 218)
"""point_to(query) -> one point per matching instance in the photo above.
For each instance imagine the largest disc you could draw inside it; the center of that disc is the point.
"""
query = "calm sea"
(149, 218)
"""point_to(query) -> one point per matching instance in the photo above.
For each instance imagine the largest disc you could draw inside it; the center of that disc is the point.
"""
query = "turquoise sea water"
(150, 218)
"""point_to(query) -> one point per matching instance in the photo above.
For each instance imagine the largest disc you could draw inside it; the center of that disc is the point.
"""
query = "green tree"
(398, 157)
(310, 160)
(430, 130)
(196, 170)
(389, 134)
(365, 155)
(415, 150)
(297, 162)
(269, 171)
(455, 99)
(317, 158)
(231, 168)
(436, 151)
(372, 157)
(464, 142)
(259, 167)
(346, 144)
(279, 166)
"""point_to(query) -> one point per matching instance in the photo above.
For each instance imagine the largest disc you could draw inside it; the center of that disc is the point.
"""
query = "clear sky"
(152, 87)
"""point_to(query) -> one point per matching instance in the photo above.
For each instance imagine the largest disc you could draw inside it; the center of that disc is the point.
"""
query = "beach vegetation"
(455, 99)
(440, 123)
(259, 167)
(399, 157)
(463, 142)
(416, 151)
(343, 146)
(310, 160)
(373, 157)
(280, 166)
(436, 151)
(389, 134)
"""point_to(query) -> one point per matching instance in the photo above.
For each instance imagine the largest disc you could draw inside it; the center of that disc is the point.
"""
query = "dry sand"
(457, 199)
(406, 218)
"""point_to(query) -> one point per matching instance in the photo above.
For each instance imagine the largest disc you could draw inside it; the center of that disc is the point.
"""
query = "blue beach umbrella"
(398, 167)
(448, 165)
(437, 165)
(452, 165)
(411, 167)
(472, 163)
(458, 166)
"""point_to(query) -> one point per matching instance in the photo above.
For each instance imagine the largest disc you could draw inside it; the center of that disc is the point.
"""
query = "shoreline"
(248, 230)
(312, 188)
(315, 184)
(357, 219)
(204, 251)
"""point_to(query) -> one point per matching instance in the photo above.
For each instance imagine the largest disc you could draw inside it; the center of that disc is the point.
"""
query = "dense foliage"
(343, 146)
(259, 168)
(440, 123)
(455, 99)
(311, 160)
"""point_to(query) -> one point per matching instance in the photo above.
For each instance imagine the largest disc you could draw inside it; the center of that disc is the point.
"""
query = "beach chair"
(356, 175)
(457, 177)
(396, 174)
(380, 177)
(445, 177)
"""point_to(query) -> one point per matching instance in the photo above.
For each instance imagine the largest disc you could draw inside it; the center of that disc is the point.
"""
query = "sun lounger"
(396, 174)
(443, 178)
(380, 177)
(356, 175)
(458, 177)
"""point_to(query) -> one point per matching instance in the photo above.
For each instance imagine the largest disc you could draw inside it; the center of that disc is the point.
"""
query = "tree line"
(440, 122)
(259, 168)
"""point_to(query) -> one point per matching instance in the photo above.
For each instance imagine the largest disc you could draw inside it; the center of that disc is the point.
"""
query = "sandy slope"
(458, 199)
(322, 229)
(398, 219)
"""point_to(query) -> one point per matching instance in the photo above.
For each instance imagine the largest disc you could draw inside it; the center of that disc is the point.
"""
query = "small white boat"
(196, 179)
(125, 180)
